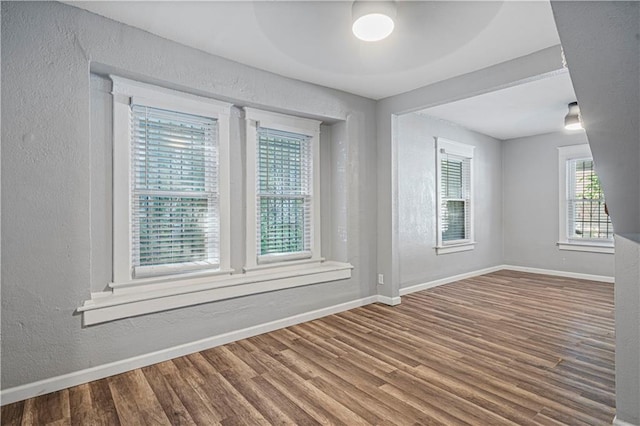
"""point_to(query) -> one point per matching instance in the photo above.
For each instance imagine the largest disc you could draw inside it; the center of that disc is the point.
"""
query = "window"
(283, 193)
(587, 219)
(174, 213)
(283, 178)
(454, 167)
(584, 224)
(171, 205)
(170, 208)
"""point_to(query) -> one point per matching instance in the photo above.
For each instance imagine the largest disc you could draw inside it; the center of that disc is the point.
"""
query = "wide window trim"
(125, 302)
(255, 120)
(565, 155)
(125, 94)
(463, 151)
(130, 297)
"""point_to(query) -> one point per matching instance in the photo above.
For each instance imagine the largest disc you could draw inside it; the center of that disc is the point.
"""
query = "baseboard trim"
(602, 278)
(30, 390)
(447, 280)
(391, 301)
(53, 384)
(618, 422)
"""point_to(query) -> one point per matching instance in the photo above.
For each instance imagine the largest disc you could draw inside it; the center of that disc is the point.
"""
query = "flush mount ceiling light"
(573, 121)
(373, 20)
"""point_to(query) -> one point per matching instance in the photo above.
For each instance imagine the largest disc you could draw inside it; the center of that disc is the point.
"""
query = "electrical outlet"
(380, 279)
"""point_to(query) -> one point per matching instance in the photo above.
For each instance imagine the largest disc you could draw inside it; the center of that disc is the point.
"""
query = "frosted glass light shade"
(373, 20)
(573, 121)
(572, 125)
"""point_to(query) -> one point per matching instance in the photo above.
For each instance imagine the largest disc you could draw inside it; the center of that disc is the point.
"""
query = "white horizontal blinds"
(283, 199)
(455, 189)
(175, 218)
(587, 219)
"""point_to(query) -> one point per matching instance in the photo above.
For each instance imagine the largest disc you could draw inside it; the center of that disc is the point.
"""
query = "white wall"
(419, 262)
(531, 203)
(55, 188)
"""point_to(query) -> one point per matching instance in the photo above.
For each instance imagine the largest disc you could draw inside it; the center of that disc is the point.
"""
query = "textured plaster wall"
(417, 201)
(55, 188)
(627, 298)
(531, 203)
(601, 42)
(56, 193)
(388, 111)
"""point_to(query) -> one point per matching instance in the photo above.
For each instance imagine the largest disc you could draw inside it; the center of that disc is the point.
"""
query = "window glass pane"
(171, 150)
(453, 220)
(174, 187)
(284, 192)
(451, 178)
(586, 216)
(455, 175)
(172, 229)
(282, 224)
(590, 221)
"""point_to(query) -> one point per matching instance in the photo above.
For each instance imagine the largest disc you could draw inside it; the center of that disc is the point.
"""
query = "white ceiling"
(528, 109)
(312, 40)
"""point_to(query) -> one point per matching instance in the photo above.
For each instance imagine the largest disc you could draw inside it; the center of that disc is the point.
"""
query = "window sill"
(283, 265)
(454, 248)
(589, 247)
(109, 306)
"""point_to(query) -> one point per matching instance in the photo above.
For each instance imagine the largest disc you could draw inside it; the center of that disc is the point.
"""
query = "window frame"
(256, 119)
(565, 155)
(125, 94)
(133, 297)
(446, 146)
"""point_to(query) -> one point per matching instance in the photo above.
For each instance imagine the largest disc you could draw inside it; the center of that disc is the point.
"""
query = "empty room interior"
(320, 212)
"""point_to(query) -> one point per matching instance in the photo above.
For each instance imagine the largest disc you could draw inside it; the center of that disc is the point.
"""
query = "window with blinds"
(454, 192)
(174, 190)
(283, 193)
(455, 198)
(586, 216)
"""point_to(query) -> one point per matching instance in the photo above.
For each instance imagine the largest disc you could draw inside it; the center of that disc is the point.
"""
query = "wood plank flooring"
(506, 348)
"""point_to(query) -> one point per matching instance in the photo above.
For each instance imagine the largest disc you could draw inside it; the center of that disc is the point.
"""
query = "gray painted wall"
(387, 110)
(419, 262)
(602, 48)
(531, 219)
(55, 188)
(627, 298)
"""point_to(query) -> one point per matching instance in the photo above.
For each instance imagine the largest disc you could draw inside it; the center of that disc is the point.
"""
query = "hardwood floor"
(506, 348)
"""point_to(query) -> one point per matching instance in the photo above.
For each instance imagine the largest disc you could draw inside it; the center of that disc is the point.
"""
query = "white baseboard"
(618, 422)
(30, 390)
(53, 384)
(391, 301)
(590, 277)
(447, 280)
